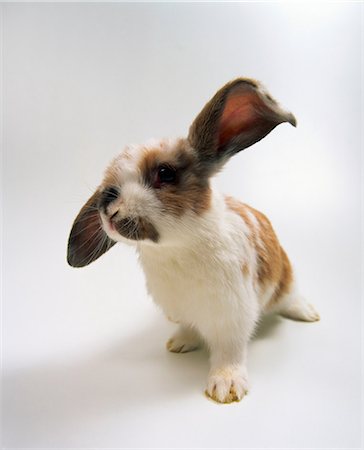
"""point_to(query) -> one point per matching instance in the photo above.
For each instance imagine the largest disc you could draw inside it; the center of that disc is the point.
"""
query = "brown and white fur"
(213, 264)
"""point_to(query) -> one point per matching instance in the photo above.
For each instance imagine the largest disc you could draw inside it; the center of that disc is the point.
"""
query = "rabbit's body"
(215, 286)
(213, 264)
(197, 278)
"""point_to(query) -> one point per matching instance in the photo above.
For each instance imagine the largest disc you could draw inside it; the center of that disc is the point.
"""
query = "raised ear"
(240, 114)
(87, 240)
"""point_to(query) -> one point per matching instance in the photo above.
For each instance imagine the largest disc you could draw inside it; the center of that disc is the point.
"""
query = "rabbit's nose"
(107, 196)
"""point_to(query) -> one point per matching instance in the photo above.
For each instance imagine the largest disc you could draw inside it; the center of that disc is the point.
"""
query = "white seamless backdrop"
(84, 361)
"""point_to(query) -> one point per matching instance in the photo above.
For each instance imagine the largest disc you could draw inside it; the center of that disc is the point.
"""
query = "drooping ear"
(240, 114)
(87, 240)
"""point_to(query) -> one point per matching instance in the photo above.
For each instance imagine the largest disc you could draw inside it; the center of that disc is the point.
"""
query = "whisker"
(92, 256)
(84, 229)
(90, 238)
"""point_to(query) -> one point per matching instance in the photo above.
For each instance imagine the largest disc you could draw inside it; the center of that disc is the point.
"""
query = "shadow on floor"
(56, 399)
(268, 326)
(52, 400)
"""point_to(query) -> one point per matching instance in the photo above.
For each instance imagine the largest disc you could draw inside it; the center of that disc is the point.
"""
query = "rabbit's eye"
(166, 174)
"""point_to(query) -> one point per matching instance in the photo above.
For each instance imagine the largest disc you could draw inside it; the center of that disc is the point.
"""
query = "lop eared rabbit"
(213, 264)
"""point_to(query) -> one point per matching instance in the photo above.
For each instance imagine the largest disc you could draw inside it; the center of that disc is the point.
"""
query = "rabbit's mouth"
(134, 228)
(137, 229)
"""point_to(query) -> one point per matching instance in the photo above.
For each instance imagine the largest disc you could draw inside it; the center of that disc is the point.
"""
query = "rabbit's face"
(154, 193)
(147, 190)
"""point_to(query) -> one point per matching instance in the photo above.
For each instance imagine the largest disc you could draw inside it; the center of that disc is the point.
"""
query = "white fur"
(198, 283)
(194, 273)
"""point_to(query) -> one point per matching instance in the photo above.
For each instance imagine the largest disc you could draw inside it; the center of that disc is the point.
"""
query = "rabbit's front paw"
(185, 340)
(227, 385)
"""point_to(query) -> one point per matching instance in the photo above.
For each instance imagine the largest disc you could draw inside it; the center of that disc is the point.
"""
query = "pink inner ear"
(240, 114)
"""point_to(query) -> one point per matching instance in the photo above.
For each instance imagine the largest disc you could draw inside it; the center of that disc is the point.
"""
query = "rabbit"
(213, 264)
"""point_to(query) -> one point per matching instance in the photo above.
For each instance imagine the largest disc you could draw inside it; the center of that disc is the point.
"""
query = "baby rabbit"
(213, 264)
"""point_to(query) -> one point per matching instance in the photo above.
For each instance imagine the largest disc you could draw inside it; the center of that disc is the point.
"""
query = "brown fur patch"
(190, 192)
(137, 229)
(273, 264)
(268, 250)
(245, 269)
(285, 280)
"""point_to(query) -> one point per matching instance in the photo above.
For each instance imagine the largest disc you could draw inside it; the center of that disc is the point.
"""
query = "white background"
(84, 362)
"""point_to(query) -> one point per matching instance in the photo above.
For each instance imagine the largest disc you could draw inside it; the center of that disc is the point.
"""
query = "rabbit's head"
(150, 191)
